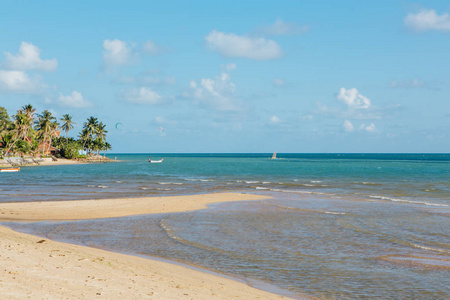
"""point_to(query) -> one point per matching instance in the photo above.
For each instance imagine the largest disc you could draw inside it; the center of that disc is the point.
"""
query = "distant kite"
(161, 129)
(118, 124)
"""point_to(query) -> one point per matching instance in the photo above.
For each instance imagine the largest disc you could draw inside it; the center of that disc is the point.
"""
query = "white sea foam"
(316, 181)
(430, 248)
(176, 183)
(103, 186)
(262, 188)
(289, 191)
(334, 213)
(301, 192)
(408, 201)
(252, 182)
(168, 230)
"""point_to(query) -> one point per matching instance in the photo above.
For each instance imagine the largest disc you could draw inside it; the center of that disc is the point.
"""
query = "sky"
(236, 76)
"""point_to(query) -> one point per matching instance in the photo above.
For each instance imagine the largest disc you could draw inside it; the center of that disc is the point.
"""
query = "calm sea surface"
(338, 226)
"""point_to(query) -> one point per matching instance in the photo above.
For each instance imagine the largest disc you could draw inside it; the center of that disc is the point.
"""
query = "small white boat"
(155, 161)
(10, 170)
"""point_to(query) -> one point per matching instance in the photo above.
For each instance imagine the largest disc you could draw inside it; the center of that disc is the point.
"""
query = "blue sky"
(236, 76)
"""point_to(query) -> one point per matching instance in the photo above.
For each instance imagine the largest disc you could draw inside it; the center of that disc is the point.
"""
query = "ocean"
(336, 226)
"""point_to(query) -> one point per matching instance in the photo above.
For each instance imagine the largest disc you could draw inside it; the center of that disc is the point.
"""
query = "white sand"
(37, 268)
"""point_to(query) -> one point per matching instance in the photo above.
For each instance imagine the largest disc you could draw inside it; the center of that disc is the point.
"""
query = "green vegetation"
(28, 133)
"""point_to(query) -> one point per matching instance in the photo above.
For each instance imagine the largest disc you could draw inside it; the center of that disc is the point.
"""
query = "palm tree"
(67, 125)
(21, 129)
(29, 111)
(89, 130)
(46, 125)
(5, 122)
(101, 132)
(106, 146)
(7, 142)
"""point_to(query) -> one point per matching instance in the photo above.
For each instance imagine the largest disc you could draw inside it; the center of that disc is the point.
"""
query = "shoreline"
(39, 267)
(34, 162)
(113, 208)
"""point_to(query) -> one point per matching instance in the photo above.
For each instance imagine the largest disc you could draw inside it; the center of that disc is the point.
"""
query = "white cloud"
(274, 120)
(145, 80)
(217, 93)
(231, 45)
(116, 53)
(279, 82)
(353, 99)
(283, 28)
(427, 19)
(19, 82)
(28, 58)
(143, 95)
(75, 100)
(150, 48)
(415, 83)
(369, 128)
(347, 126)
(229, 67)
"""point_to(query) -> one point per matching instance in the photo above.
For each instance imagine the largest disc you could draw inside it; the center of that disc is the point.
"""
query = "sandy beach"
(38, 268)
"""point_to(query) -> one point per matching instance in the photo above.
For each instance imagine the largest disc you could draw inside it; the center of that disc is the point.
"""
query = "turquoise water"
(338, 226)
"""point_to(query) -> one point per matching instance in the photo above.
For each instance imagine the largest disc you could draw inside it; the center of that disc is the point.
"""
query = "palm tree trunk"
(43, 147)
(12, 144)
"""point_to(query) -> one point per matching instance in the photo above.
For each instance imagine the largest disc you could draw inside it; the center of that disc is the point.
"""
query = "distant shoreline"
(30, 162)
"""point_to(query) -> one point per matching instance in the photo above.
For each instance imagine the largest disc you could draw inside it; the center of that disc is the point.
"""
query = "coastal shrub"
(69, 152)
(68, 148)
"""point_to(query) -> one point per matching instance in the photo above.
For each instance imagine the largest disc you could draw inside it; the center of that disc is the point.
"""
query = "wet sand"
(40, 268)
(110, 208)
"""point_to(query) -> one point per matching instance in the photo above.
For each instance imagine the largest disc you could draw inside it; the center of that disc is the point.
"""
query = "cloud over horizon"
(18, 82)
(142, 95)
(29, 58)
(217, 93)
(116, 53)
(426, 20)
(353, 99)
(235, 46)
(75, 100)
